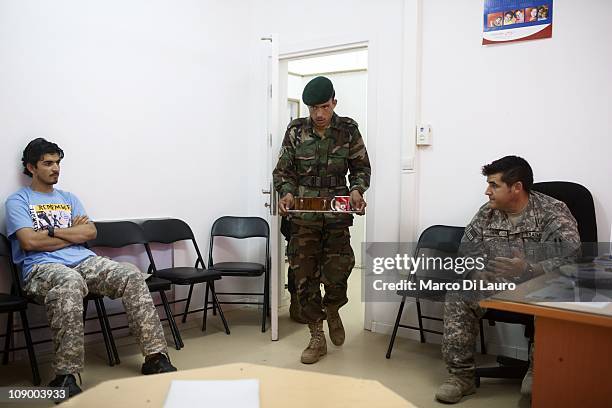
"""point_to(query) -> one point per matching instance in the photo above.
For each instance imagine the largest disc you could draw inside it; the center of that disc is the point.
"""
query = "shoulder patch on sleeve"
(470, 233)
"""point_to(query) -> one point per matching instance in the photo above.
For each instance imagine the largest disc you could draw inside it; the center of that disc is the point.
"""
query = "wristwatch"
(51, 231)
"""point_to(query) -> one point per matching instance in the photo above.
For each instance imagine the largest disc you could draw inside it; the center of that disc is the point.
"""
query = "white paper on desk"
(216, 393)
(597, 305)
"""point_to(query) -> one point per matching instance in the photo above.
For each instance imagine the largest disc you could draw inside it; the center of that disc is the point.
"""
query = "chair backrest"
(5, 252)
(5, 247)
(240, 228)
(117, 234)
(579, 201)
(168, 231)
(435, 245)
(441, 237)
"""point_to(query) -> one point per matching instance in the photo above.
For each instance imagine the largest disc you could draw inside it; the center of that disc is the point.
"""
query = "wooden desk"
(278, 387)
(573, 348)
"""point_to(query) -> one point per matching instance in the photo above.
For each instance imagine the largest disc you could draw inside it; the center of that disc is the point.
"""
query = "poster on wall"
(516, 20)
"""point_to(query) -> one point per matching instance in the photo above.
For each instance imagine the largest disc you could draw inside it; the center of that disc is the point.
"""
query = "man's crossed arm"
(82, 230)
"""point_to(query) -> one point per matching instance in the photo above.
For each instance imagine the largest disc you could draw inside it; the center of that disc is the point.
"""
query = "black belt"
(322, 182)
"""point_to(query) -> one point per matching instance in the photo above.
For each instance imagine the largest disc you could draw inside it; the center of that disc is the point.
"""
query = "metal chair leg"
(397, 322)
(187, 303)
(483, 347)
(214, 306)
(30, 347)
(85, 304)
(216, 301)
(109, 330)
(205, 307)
(420, 318)
(7, 340)
(111, 360)
(178, 342)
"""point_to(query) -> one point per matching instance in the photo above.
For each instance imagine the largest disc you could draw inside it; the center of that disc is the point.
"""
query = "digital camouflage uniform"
(545, 224)
(319, 250)
(62, 289)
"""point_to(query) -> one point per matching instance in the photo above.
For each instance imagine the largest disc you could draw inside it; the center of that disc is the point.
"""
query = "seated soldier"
(514, 230)
(47, 228)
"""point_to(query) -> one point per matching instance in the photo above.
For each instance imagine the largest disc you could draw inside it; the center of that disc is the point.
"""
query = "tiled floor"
(414, 371)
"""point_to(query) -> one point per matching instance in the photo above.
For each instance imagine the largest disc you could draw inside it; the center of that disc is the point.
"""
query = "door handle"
(272, 204)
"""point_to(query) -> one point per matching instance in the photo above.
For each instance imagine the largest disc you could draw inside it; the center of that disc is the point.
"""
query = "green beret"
(318, 91)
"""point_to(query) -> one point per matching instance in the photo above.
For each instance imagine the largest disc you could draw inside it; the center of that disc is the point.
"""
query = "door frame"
(277, 132)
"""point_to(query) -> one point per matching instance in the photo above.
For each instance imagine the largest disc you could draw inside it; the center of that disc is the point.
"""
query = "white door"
(272, 141)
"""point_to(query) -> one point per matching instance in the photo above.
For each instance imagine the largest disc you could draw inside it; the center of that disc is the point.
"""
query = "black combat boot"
(66, 381)
(157, 363)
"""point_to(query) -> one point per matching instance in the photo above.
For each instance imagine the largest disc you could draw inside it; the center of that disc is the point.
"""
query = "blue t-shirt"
(31, 209)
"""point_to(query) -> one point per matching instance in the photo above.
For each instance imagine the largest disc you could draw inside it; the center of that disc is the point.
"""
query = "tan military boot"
(455, 388)
(336, 329)
(317, 347)
(294, 310)
(527, 382)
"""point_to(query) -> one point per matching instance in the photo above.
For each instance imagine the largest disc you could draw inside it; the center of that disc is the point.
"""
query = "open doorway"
(348, 70)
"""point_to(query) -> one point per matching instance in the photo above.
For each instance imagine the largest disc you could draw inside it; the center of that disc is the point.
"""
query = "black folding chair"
(118, 234)
(109, 342)
(16, 302)
(169, 231)
(443, 240)
(107, 335)
(242, 228)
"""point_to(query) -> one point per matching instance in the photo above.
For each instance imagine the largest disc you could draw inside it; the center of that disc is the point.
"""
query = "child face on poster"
(533, 15)
(542, 13)
(519, 16)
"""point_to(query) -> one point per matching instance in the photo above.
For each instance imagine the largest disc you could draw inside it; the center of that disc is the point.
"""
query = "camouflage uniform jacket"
(305, 155)
(546, 233)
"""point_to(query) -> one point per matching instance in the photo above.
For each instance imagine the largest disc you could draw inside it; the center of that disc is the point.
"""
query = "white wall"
(137, 94)
(548, 101)
(337, 62)
(295, 85)
(142, 97)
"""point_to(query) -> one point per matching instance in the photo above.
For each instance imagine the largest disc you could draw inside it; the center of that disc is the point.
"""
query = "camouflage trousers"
(62, 289)
(461, 317)
(320, 255)
(291, 281)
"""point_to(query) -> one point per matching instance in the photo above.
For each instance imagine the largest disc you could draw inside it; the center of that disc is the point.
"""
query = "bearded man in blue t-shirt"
(47, 228)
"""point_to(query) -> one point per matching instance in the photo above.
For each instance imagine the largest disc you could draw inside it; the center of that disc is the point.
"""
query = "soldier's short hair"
(513, 169)
(35, 150)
